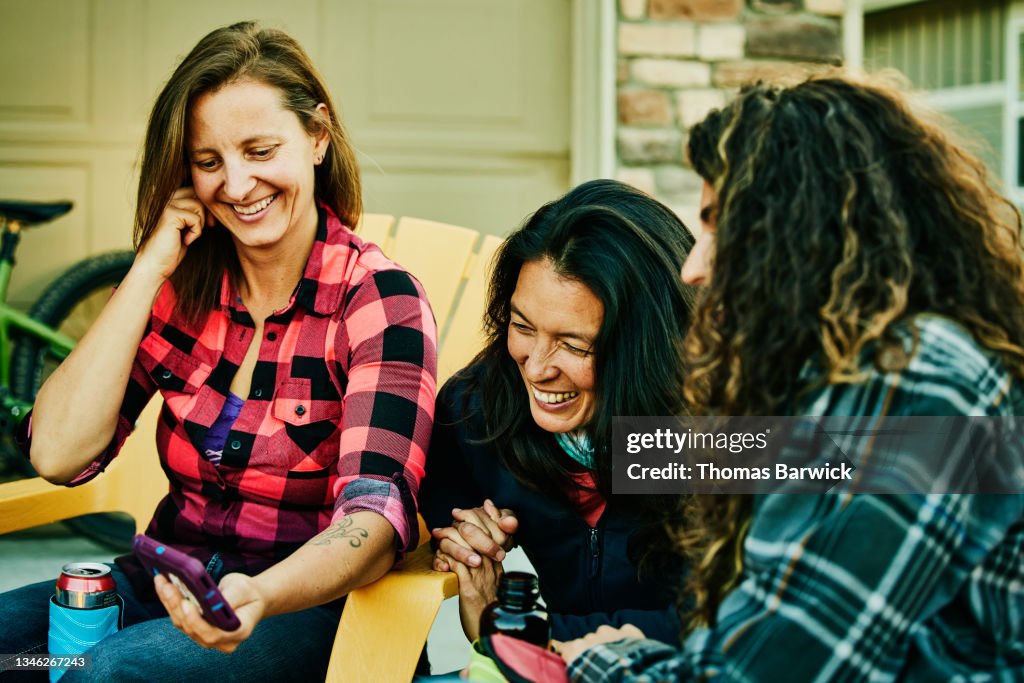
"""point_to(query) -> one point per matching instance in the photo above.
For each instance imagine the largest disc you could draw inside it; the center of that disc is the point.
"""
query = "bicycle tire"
(70, 304)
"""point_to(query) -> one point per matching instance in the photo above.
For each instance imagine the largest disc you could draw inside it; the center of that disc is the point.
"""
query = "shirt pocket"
(173, 370)
(307, 439)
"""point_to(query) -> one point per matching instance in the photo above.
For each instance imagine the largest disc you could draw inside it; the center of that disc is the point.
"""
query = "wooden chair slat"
(464, 336)
(376, 228)
(437, 254)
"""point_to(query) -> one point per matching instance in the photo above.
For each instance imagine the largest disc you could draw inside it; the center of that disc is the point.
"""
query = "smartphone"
(190, 577)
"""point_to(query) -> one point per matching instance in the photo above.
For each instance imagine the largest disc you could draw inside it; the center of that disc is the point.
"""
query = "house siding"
(679, 59)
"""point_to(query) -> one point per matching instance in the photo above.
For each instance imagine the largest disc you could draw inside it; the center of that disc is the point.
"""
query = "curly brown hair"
(842, 212)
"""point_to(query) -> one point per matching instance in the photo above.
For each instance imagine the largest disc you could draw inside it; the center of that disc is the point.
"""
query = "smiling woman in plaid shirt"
(295, 362)
(855, 262)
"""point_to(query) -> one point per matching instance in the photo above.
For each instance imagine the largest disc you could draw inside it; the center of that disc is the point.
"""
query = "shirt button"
(271, 336)
(300, 410)
(166, 374)
(257, 393)
(236, 444)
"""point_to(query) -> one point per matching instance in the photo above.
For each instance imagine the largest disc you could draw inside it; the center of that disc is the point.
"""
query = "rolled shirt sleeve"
(387, 345)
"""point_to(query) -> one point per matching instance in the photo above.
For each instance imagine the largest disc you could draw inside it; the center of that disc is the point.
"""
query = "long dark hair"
(628, 249)
(242, 50)
(841, 213)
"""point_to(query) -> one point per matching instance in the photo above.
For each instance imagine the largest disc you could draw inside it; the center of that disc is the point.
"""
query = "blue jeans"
(294, 646)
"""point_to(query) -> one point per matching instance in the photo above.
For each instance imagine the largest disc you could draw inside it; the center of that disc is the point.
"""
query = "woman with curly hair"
(855, 262)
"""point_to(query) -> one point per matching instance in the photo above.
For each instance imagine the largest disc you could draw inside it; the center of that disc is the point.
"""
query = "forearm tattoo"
(342, 530)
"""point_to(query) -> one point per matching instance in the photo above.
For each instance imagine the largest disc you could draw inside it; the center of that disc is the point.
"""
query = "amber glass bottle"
(515, 613)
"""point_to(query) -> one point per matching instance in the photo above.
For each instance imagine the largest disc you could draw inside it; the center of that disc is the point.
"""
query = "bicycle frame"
(59, 345)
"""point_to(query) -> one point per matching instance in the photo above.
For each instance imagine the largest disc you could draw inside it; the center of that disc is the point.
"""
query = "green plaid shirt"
(841, 587)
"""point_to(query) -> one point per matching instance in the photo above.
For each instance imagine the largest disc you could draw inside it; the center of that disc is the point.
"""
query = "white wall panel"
(459, 108)
(46, 82)
(492, 196)
(453, 75)
(39, 260)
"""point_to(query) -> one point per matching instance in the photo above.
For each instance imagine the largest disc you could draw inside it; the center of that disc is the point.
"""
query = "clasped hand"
(483, 530)
(473, 547)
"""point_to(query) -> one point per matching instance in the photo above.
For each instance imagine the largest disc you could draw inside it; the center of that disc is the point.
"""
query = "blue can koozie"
(85, 610)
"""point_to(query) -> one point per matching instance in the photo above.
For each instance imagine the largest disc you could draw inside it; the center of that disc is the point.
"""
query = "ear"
(322, 136)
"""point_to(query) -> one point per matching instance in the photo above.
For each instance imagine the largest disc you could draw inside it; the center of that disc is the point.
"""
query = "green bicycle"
(33, 344)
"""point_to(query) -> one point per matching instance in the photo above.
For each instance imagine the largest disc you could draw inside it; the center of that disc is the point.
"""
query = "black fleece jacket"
(586, 576)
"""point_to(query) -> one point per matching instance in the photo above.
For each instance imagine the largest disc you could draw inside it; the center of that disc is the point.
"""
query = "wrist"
(143, 280)
(264, 593)
(471, 623)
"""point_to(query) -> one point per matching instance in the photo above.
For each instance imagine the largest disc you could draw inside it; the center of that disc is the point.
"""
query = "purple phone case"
(187, 572)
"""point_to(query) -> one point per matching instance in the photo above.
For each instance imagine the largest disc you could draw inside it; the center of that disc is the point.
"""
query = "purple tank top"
(217, 436)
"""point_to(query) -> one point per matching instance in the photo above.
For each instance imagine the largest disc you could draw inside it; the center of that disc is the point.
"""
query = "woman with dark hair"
(296, 365)
(855, 262)
(585, 320)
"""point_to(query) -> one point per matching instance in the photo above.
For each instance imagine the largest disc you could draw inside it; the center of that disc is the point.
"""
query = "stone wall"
(678, 59)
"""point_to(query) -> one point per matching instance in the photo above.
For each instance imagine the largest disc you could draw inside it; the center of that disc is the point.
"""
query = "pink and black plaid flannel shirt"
(337, 419)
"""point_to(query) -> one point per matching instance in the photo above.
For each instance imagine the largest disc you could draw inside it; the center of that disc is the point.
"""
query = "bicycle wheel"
(70, 305)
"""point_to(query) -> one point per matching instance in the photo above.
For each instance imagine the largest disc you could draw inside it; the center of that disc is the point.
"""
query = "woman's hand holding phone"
(218, 617)
(238, 590)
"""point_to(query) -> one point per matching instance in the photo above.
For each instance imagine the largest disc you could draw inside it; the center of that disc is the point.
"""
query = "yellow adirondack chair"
(370, 645)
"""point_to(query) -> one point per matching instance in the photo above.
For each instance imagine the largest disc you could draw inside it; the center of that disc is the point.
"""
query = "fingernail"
(474, 559)
(500, 555)
(454, 510)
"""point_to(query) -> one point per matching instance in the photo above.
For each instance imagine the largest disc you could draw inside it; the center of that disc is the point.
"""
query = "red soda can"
(86, 585)
(85, 609)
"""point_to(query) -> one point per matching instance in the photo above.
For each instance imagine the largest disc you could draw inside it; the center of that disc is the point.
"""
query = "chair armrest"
(30, 502)
(133, 483)
(385, 625)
